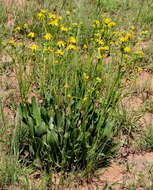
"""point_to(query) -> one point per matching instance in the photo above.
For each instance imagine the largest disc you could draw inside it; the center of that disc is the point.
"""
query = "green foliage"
(146, 142)
(12, 174)
(68, 134)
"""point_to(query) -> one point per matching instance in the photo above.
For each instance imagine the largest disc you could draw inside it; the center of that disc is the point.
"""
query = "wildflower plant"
(70, 124)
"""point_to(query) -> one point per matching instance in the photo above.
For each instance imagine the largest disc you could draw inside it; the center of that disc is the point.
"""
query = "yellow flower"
(72, 40)
(100, 42)
(60, 44)
(59, 52)
(115, 33)
(85, 99)
(48, 36)
(105, 48)
(85, 46)
(98, 79)
(112, 43)
(69, 96)
(64, 29)
(126, 38)
(54, 22)
(11, 42)
(139, 69)
(18, 28)
(74, 24)
(25, 26)
(97, 23)
(49, 49)
(68, 13)
(66, 85)
(129, 36)
(3, 43)
(140, 52)
(51, 16)
(72, 47)
(99, 56)
(40, 16)
(33, 47)
(56, 62)
(111, 24)
(127, 49)
(44, 11)
(107, 20)
(144, 32)
(85, 76)
(126, 56)
(123, 39)
(59, 18)
(32, 35)
(97, 34)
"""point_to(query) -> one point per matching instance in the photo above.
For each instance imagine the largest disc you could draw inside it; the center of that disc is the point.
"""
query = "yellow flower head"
(33, 47)
(68, 13)
(111, 24)
(49, 49)
(103, 48)
(97, 35)
(85, 76)
(44, 11)
(98, 79)
(18, 28)
(72, 40)
(66, 85)
(127, 49)
(139, 69)
(54, 22)
(144, 32)
(69, 96)
(140, 52)
(72, 47)
(97, 23)
(100, 42)
(51, 16)
(56, 62)
(129, 36)
(123, 39)
(85, 99)
(85, 46)
(40, 16)
(61, 44)
(11, 42)
(25, 26)
(106, 20)
(48, 36)
(31, 35)
(59, 52)
(64, 29)
(74, 24)
(99, 57)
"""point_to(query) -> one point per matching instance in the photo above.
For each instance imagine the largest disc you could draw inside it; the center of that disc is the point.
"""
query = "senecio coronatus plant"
(75, 71)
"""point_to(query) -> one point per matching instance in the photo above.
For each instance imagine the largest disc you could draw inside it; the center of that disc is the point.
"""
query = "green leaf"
(36, 111)
(51, 125)
(52, 137)
(40, 129)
